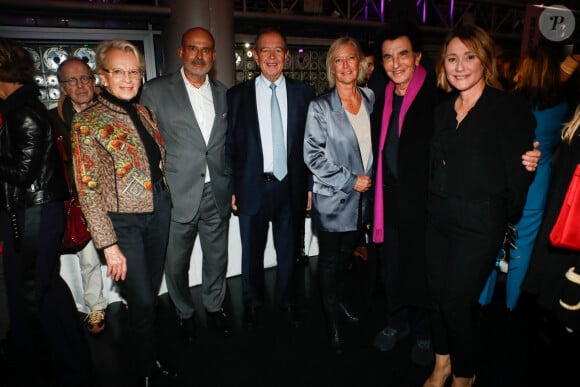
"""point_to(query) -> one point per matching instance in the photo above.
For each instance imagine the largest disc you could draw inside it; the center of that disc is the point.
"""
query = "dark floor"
(519, 348)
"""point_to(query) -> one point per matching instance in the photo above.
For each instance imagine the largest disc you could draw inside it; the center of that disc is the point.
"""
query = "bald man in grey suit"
(192, 116)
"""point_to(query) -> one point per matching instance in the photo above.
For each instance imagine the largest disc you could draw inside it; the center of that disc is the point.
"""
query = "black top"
(151, 148)
(481, 158)
(391, 148)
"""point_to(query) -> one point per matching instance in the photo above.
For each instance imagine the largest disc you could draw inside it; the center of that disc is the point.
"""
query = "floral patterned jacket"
(111, 168)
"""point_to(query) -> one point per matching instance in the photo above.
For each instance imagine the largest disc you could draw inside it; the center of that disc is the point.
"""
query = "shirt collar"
(205, 84)
(281, 80)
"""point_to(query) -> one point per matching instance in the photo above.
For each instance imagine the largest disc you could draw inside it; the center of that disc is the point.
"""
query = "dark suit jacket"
(244, 147)
(187, 152)
(405, 206)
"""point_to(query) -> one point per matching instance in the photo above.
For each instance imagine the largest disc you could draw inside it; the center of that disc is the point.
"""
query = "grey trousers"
(213, 236)
(92, 278)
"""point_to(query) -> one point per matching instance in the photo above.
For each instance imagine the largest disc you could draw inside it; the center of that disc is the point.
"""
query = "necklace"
(462, 109)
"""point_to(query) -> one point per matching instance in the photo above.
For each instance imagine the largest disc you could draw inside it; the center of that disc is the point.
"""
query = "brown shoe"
(95, 321)
(361, 252)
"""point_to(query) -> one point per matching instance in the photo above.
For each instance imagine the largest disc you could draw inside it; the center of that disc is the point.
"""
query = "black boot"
(345, 313)
(334, 340)
(328, 290)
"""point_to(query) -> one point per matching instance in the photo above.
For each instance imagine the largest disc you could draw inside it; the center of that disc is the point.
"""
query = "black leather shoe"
(301, 259)
(187, 329)
(291, 315)
(163, 370)
(334, 340)
(250, 317)
(346, 315)
(219, 321)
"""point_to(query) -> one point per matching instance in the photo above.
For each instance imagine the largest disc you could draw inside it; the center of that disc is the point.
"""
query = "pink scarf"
(412, 91)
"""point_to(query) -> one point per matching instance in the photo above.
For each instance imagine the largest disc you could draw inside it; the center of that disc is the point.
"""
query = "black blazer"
(481, 159)
(244, 147)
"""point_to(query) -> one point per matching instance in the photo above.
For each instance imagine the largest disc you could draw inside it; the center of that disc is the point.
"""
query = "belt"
(159, 186)
(269, 176)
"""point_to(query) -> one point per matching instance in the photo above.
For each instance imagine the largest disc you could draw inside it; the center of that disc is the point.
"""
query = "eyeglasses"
(84, 79)
(120, 74)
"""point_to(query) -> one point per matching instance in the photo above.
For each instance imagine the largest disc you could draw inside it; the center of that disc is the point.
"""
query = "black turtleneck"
(151, 147)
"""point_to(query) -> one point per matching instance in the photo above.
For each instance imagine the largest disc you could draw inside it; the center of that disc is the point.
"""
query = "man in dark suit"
(192, 116)
(261, 193)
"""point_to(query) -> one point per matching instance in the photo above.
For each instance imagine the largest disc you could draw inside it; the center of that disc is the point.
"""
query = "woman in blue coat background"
(537, 79)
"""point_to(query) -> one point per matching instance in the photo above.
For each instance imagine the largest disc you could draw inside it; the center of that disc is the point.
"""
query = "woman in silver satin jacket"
(338, 152)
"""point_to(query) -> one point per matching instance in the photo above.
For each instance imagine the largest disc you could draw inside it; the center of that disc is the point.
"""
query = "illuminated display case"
(51, 46)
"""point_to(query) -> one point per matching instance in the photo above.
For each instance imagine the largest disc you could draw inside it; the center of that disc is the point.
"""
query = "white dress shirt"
(263, 98)
(201, 100)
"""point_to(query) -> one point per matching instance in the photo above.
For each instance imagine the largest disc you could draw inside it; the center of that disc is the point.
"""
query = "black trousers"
(276, 208)
(334, 251)
(405, 317)
(143, 239)
(463, 238)
(43, 315)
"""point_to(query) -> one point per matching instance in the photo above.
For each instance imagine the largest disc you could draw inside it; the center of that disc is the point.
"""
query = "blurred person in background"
(43, 315)
(77, 85)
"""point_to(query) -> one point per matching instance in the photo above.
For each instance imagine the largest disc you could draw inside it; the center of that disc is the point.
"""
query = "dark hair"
(368, 49)
(395, 30)
(16, 63)
(538, 77)
(269, 30)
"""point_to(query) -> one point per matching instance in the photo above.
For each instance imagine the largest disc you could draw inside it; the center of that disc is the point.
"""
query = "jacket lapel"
(292, 116)
(183, 102)
(254, 123)
(217, 95)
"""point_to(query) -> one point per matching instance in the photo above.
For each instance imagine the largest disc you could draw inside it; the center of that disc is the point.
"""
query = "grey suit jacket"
(187, 153)
(332, 154)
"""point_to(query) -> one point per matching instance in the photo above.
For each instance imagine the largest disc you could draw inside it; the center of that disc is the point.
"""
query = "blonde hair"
(338, 43)
(106, 46)
(482, 45)
(571, 127)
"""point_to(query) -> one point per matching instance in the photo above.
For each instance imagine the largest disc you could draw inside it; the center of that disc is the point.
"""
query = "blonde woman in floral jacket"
(119, 159)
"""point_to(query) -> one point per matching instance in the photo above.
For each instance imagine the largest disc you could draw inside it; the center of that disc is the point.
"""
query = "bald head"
(77, 82)
(197, 54)
(196, 31)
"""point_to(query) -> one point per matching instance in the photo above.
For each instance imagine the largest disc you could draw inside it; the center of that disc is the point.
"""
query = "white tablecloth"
(70, 269)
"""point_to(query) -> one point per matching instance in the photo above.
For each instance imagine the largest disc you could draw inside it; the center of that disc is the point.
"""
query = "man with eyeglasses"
(192, 116)
(77, 85)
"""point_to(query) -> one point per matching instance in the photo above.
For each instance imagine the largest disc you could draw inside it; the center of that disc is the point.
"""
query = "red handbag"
(76, 234)
(566, 231)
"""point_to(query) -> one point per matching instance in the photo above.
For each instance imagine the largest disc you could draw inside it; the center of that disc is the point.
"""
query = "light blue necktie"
(278, 147)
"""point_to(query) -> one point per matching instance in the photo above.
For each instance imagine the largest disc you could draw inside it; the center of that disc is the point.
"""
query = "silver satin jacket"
(332, 154)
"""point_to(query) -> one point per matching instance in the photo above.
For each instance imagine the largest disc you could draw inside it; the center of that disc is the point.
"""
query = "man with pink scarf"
(405, 118)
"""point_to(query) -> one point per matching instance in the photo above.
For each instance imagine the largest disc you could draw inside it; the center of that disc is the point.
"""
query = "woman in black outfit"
(477, 185)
